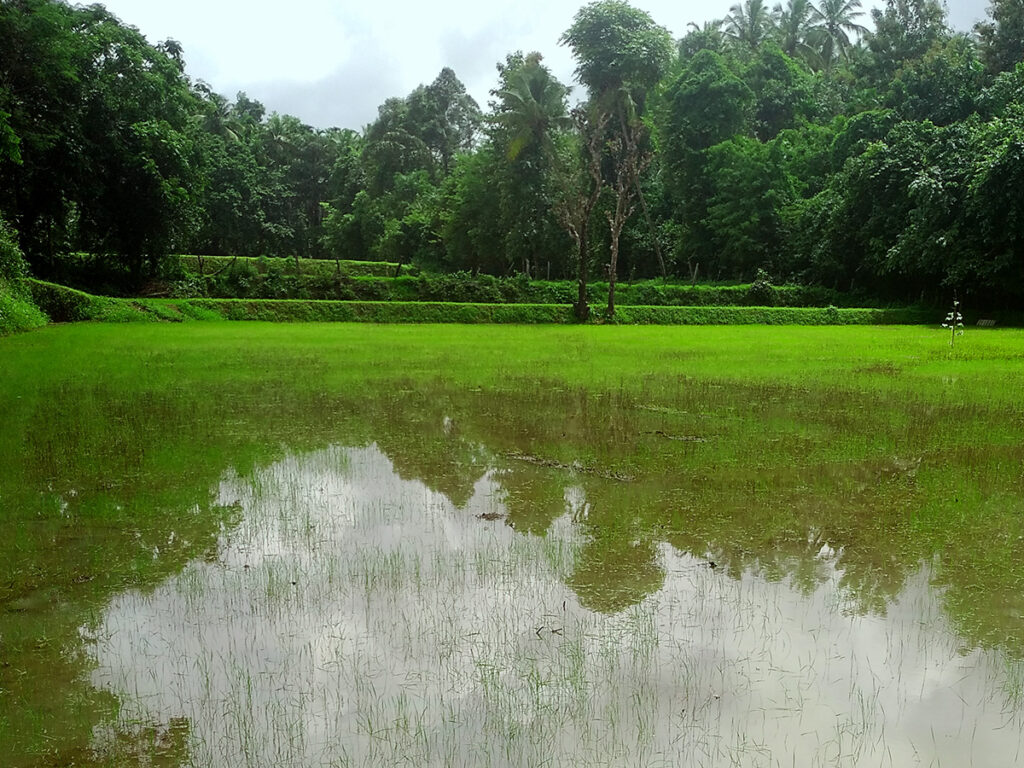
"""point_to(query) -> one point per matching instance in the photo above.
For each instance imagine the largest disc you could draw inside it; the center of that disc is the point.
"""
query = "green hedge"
(769, 316)
(65, 304)
(384, 311)
(454, 312)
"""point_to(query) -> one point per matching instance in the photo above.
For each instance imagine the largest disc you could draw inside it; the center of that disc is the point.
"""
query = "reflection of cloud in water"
(357, 618)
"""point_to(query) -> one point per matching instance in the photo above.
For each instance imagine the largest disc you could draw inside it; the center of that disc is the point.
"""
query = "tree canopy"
(808, 141)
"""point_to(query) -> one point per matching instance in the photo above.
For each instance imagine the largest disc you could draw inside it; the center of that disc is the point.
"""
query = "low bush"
(457, 312)
(68, 305)
(761, 292)
(384, 311)
(17, 312)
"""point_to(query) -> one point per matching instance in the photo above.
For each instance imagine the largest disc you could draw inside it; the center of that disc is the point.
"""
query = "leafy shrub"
(461, 287)
(328, 280)
(767, 316)
(761, 292)
(68, 304)
(191, 285)
(458, 312)
(240, 276)
(17, 312)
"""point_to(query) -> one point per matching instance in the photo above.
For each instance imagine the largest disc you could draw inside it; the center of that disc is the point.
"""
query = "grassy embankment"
(286, 290)
(67, 305)
(262, 278)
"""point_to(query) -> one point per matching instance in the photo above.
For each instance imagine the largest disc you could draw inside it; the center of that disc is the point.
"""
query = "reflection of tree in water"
(117, 489)
(159, 746)
(803, 533)
(441, 446)
(448, 441)
(617, 565)
(808, 491)
(534, 496)
(442, 461)
(614, 571)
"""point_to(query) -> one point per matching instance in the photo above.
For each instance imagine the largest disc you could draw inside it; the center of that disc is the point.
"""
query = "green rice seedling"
(271, 534)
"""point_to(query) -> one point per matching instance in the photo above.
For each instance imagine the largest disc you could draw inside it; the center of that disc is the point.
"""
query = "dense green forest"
(879, 153)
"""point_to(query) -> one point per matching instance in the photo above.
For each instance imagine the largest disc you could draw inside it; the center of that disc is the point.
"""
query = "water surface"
(357, 618)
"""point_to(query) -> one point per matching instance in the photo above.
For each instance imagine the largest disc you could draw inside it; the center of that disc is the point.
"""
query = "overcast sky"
(332, 62)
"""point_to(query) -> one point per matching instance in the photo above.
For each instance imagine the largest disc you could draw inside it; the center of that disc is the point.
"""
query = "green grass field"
(884, 442)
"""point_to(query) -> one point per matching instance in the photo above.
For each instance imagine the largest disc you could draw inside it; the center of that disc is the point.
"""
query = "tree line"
(807, 142)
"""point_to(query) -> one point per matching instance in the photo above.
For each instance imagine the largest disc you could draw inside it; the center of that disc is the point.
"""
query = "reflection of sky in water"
(357, 618)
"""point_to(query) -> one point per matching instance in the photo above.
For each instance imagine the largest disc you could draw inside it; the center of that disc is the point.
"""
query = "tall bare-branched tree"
(621, 55)
(579, 183)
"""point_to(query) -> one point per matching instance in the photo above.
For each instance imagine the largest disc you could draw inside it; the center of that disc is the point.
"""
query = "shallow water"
(357, 618)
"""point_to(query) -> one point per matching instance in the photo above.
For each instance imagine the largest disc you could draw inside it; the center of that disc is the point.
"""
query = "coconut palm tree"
(708, 36)
(749, 23)
(834, 30)
(532, 107)
(216, 117)
(796, 29)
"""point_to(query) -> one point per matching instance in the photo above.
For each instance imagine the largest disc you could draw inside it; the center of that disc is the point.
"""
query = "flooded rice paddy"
(701, 572)
(356, 618)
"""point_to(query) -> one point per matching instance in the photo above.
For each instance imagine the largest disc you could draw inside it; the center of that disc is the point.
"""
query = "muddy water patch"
(354, 617)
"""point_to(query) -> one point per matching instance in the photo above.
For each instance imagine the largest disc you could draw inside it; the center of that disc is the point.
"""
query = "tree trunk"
(582, 307)
(654, 236)
(574, 211)
(618, 221)
(611, 278)
(135, 262)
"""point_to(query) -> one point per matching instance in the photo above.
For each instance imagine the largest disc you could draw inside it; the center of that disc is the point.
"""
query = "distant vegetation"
(876, 155)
